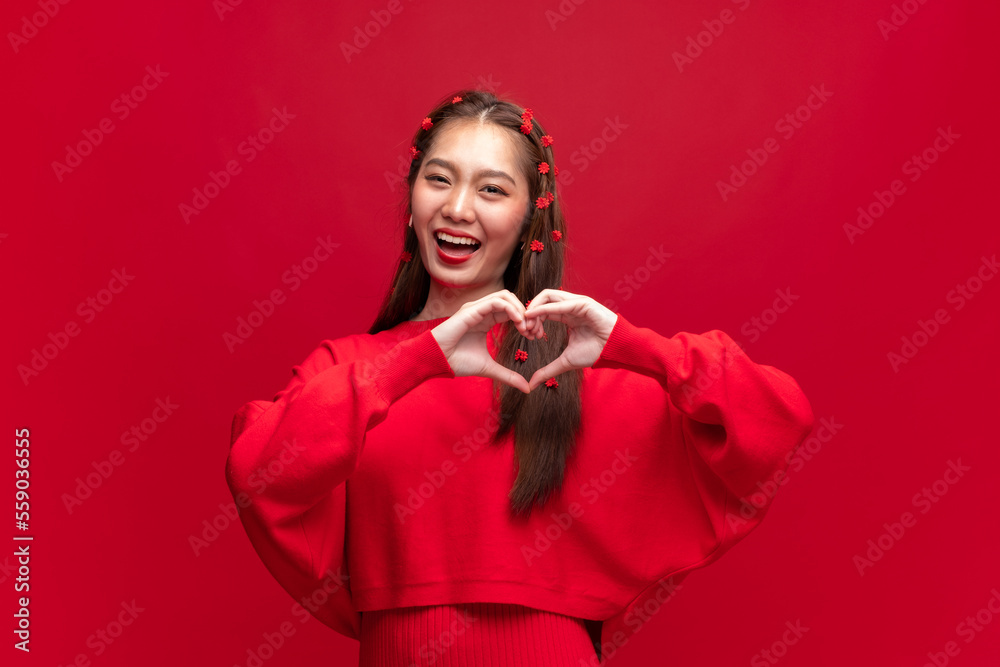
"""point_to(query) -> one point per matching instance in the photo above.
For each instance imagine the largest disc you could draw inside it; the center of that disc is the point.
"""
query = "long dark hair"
(545, 421)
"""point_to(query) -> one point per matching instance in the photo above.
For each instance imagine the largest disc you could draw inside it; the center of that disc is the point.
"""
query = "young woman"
(500, 471)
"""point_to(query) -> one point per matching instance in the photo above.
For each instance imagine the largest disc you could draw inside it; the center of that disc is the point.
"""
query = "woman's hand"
(462, 337)
(588, 326)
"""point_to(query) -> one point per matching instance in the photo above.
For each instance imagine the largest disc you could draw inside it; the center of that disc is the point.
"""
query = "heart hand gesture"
(462, 337)
(588, 327)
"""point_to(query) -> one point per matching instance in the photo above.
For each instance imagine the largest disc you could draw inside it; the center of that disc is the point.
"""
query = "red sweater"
(369, 482)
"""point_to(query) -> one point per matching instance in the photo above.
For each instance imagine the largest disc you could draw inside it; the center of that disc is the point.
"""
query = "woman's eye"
(491, 189)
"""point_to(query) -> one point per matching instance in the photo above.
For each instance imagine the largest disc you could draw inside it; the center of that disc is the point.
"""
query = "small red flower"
(414, 153)
(407, 256)
(537, 245)
(543, 167)
(551, 382)
(547, 140)
(550, 196)
(426, 123)
(526, 128)
(542, 202)
(527, 303)
(556, 235)
(521, 355)
(557, 171)
(456, 99)
(527, 115)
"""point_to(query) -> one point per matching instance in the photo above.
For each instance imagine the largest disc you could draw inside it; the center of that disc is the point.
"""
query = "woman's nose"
(460, 205)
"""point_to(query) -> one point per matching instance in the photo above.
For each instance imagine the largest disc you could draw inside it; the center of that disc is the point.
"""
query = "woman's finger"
(570, 312)
(549, 370)
(504, 301)
(509, 377)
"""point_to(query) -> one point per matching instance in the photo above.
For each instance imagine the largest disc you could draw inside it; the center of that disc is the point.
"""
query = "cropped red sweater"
(369, 482)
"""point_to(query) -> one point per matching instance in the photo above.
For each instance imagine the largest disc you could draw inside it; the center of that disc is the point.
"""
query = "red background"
(654, 184)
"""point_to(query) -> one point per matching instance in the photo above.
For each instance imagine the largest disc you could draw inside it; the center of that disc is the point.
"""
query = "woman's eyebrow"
(494, 173)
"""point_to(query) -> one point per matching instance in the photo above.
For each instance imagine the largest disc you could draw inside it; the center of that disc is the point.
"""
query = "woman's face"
(469, 186)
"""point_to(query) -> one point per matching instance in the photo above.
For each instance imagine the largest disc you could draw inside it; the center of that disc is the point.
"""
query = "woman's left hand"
(588, 326)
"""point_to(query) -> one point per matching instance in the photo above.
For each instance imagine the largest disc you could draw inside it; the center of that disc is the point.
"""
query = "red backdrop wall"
(834, 161)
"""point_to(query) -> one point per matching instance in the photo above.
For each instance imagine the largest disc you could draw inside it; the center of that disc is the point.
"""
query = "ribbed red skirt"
(484, 634)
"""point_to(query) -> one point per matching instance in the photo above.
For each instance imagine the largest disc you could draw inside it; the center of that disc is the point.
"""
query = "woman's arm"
(289, 459)
(742, 418)
(313, 431)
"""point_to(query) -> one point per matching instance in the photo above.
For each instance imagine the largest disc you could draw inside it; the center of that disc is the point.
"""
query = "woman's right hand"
(462, 337)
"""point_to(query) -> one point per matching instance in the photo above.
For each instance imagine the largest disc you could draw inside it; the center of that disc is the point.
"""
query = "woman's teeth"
(457, 239)
(458, 246)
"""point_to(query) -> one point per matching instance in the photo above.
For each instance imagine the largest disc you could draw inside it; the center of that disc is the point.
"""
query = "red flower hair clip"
(543, 202)
(456, 99)
(407, 256)
(521, 355)
(426, 123)
(526, 117)
(547, 140)
(551, 382)
(543, 167)
(557, 171)
(537, 245)
(414, 153)
(556, 235)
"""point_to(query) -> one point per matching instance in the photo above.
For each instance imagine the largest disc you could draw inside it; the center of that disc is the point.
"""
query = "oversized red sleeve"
(742, 419)
(289, 459)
